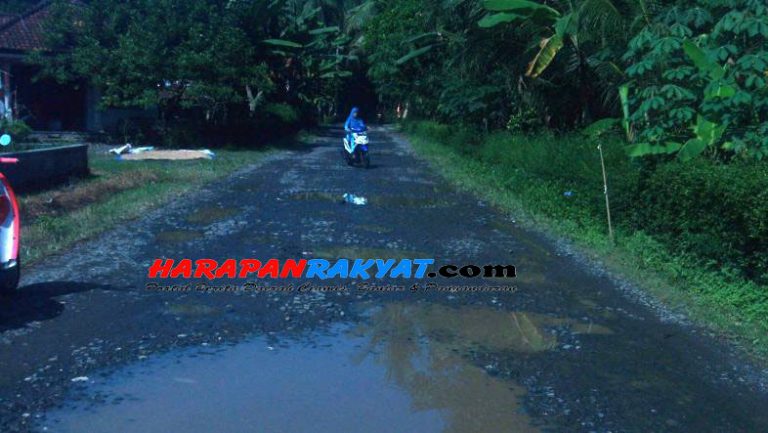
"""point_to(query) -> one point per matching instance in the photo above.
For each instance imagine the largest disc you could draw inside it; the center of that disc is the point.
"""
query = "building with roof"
(43, 103)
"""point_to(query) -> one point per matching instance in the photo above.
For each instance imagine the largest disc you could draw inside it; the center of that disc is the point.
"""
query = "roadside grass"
(725, 303)
(115, 193)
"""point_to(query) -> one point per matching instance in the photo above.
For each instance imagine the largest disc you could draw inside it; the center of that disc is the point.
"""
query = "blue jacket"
(354, 124)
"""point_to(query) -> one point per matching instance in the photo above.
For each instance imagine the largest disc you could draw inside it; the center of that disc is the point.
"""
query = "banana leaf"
(336, 74)
(323, 30)
(282, 43)
(498, 18)
(519, 6)
(700, 59)
(413, 54)
(549, 49)
(600, 127)
(644, 149)
(691, 149)
(624, 97)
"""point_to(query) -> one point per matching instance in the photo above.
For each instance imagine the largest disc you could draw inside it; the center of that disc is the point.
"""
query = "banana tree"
(588, 32)
(560, 26)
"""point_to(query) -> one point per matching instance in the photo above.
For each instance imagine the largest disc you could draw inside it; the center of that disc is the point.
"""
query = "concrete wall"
(111, 119)
(41, 168)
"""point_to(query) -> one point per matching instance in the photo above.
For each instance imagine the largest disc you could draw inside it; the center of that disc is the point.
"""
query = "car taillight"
(5, 207)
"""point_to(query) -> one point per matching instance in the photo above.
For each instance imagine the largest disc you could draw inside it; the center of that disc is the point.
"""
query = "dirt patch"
(81, 194)
(171, 155)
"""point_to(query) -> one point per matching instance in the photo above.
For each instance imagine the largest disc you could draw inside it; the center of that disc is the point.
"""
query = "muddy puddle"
(178, 236)
(316, 196)
(351, 252)
(403, 367)
(210, 215)
(432, 201)
(191, 310)
(373, 228)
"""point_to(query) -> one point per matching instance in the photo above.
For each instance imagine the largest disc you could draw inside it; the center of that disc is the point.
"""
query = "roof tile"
(24, 32)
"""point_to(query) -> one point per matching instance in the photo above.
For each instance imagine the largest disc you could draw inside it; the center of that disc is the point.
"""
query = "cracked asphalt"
(85, 347)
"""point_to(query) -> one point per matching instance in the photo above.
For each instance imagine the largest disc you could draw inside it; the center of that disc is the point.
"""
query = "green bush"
(526, 120)
(17, 129)
(461, 138)
(284, 113)
(712, 211)
(717, 211)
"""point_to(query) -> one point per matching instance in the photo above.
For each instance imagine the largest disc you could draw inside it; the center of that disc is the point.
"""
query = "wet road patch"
(210, 215)
(316, 196)
(404, 367)
(178, 236)
(354, 252)
(373, 228)
(409, 201)
(256, 386)
(191, 310)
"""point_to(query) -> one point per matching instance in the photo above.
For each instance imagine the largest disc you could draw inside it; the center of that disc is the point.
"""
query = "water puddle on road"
(373, 228)
(405, 367)
(422, 202)
(316, 196)
(209, 215)
(433, 201)
(353, 252)
(178, 236)
(191, 310)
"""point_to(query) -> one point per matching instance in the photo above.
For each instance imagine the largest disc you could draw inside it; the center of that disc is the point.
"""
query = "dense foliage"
(16, 6)
(698, 77)
(686, 75)
(680, 85)
(215, 63)
(503, 62)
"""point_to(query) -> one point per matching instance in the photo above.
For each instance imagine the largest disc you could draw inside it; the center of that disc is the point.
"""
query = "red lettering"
(160, 266)
(183, 269)
(293, 268)
(249, 266)
(229, 269)
(205, 267)
(271, 268)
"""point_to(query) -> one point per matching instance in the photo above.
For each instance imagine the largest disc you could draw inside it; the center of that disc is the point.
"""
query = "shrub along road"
(570, 350)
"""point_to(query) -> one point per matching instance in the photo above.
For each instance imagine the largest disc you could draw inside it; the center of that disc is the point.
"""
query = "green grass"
(532, 188)
(117, 192)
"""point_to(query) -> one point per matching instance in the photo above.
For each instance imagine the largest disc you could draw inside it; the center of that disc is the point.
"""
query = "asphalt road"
(85, 347)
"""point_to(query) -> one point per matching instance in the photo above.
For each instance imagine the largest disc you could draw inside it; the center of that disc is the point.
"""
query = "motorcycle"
(356, 151)
(10, 225)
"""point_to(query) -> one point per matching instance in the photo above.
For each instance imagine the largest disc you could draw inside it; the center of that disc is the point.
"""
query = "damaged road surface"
(88, 344)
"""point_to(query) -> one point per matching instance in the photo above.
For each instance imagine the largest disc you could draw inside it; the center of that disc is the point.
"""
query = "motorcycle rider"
(354, 124)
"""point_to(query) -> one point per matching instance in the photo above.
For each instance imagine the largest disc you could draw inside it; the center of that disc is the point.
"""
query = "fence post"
(605, 191)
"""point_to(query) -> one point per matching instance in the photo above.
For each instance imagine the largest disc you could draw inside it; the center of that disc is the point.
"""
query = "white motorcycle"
(356, 150)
